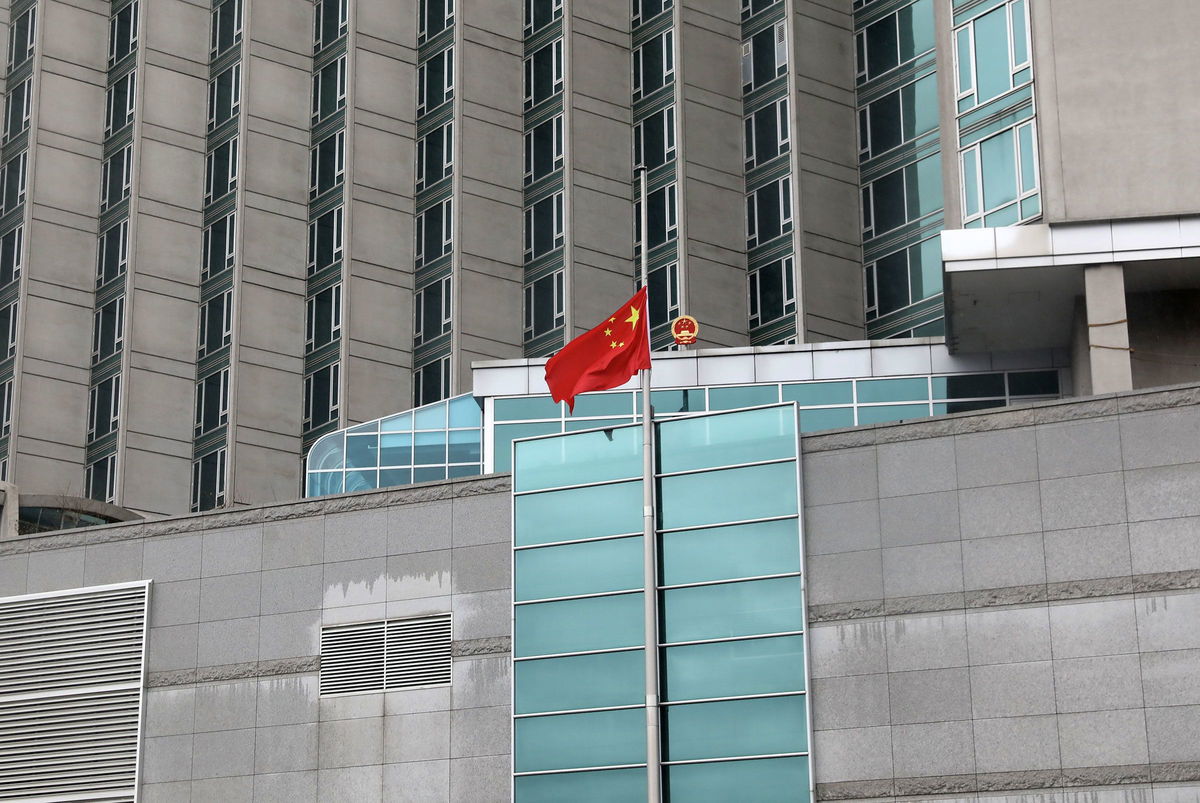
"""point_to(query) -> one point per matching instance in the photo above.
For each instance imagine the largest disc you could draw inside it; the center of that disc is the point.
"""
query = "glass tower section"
(734, 712)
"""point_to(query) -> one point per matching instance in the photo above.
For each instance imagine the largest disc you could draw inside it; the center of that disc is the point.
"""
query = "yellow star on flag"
(633, 316)
(613, 345)
(607, 332)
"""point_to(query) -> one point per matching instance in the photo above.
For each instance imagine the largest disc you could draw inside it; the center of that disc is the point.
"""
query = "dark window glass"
(123, 33)
(882, 44)
(226, 26)
(1033, 383)
(885, 123)
(10, 256)
(889, 205)
(431, 382)
(891, 282)
(108, 327)
(330, 21)
(208, 481)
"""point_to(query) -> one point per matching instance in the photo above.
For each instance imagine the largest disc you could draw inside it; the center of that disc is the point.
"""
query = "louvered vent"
(71, 667)
(385, 655)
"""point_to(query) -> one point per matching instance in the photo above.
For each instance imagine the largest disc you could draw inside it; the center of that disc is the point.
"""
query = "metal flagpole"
(649, 551)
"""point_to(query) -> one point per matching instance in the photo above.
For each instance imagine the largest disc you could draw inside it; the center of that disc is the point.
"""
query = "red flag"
(604, 357)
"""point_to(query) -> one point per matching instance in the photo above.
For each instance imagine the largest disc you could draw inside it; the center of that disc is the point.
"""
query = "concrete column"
(1108, 329)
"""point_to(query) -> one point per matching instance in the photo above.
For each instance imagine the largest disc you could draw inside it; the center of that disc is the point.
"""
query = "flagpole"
(649, 551)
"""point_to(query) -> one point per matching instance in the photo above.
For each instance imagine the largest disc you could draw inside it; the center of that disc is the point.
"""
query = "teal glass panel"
(362, 451)
(591, 567)
(916, 29)
(1031, 207)
(968, 9)
(888, 390)
(578, 625)
(467, 470)
(991, 55)
(891, 412)
(590, 512)
(532, 407)
(429, 474)
(734, 668)
(322, 483)
(397, 423)
(328, 452)
(932, 329)
(735, 728)
(999, 159)
(920, 103)
(361, 480)
(391, 477)
(974, 224)
(720, 440)
(369, 428)
(1005, 217)
(729, 610)
(1022, 76)
(832, 418)
(1020, 34)
(735, 494)
(923, 187)
(962, 42)
(587, 457)
(678, 401)
(590, 404)
(1022, 109)
(968, 386)
(429, 448)
(966, 103)
(748, 396)
(594, 423)
(565, 741)
(925, 265)
(726, 553)
(812, 394)
(604, 786)
(465, 412)
(432, 416)
(395, 449)
(762, 780)
(464, 446)
(1025, 146)
(504, 435)
(580, 681)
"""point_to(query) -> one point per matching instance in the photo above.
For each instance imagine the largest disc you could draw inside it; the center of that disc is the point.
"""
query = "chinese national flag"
(604, 357)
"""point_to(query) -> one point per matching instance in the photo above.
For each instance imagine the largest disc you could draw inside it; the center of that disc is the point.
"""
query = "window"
(544, 149)
(432, 311)
(119, 103)
(108, 329)
(544, 73)
(662, 217)
(764, 57)
(435, 81)
(115, 178)
(434, 231)
(216, 324)
(123, 33)
(12, 178)
(898, 117)
(545, 305)
(329, 22)
(17, 106)
(752, 7)
(221, 171)
(327, 164)
(329, 90)
(6, 409)
(768, 212)
(663, 298)
(10, 255)
(431, 382)
(653, 65)
(386, 655)
(325, 240)
(104, 407)
(540, 13)
(905, 277)
(208, 481)
(220, 244)
(772, 292)
(323, 318)
(894, 40)
(544, 226)
(435, 156)
(8, 330)
(21, 36)
(992, 54)
(100, 479)
(1000, 179)
(654, 139)
(433, 17)
(767, 133)
(646, 10)
(212, 402)
(226, 26)
(902, 196)
(321, 396)
(224, 96)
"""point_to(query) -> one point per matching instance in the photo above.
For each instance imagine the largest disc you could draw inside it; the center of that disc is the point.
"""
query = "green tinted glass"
(532, 407)
(885, 390)
(819, 393)
(397, 423)
(999, 170)
(395, 449)
(891, 412)
(726, 553)
(565, 741)
(577, 625)
(591, 567)
(735, 728)
(464, 446)
(748, 396)
(962, 41)
(577, 459)
(595, 423)
(605, 786)
(590, 512)
(970, 170)
(431, 417)
(833, 418)
(916, 29)
(722, 440)
(465, 412)
(1028, 174)
(1020, 33)
(1031, 207)
(735, 494)
(362, 451)
(505, 434)
(590, 404)
(991, 55)
(678, 401)
(924, 187)
(731, 609)
(734, 668)
(764, 780)
(429, 448)
(920, 103)
(580, 681)
(925, 261)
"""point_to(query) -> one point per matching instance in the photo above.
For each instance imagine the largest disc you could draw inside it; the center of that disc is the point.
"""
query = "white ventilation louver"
(71, 677)
(385, 655)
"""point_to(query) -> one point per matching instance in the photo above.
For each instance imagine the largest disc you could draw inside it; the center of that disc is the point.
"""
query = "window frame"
(230, 254)
(220, 465)
(319, 42)
(447, 81)
(754, 199)
(333, 71)
(439, 327)
(422, 254)
(114, 24)
(110, 478)
(337, 249)
(787, 282)
(20, 163)
(215, 117)
(111, 417)
(557, 79)
(315, 164)
(334, 370)
(99, 350)
(215, 20)
(666, 41)
(974, 154)
(558, 234)
(18, 257)
(310, 317)
(224, 318)
(423, 17)
(670, 137)
(750, 132)
(558, 143)
(446, 131)
(558, 316)
(963, 95)
(25, 88)
(556, 12)
(230, 177)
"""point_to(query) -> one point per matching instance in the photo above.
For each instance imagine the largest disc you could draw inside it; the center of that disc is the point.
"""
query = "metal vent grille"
(386, 655)
(71, 671)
